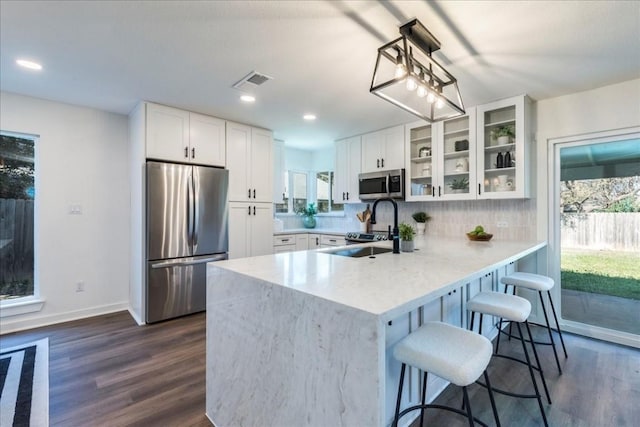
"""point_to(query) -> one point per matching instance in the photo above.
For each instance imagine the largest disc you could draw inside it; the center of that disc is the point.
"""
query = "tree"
(16, 168)
(601, 195)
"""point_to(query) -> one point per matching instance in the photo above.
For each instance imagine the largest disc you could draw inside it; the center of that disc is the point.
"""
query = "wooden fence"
(16, 241)
(601, 231)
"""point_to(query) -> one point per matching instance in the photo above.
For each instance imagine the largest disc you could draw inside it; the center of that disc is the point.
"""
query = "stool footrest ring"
(445, 408)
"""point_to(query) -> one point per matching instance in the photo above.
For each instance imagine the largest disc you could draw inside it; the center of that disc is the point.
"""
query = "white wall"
(602, 109)
(81, 158)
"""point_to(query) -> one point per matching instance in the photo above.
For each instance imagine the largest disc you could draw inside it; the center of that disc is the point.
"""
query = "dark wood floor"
(107, 371)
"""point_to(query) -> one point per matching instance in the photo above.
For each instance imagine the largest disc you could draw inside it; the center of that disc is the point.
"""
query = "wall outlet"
(502, 224)
(75, 209)
(80, 287)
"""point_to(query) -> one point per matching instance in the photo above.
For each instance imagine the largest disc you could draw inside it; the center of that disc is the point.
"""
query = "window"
(301, 189)
(324, 193)
(17, 192)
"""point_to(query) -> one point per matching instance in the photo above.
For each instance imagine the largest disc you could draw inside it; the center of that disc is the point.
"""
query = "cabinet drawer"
(332, 240)
(284, 239)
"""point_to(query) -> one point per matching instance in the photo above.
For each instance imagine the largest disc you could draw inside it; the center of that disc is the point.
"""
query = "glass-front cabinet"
(503, 137)
(441, 159)
(458, 158)
(420, 164)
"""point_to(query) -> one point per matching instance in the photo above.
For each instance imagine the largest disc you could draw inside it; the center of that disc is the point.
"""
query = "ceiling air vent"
(252, 80)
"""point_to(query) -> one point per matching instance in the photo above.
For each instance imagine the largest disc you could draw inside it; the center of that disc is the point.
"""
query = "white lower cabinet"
(284, 243)
(329, 240)
(250, 229)
(314, 241)
(395, 331)
(302, 242)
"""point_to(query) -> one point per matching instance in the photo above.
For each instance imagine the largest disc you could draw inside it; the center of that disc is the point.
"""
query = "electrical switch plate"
(80, 287)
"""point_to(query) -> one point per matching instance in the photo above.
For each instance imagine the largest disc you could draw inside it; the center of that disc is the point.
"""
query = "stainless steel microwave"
(375, 185)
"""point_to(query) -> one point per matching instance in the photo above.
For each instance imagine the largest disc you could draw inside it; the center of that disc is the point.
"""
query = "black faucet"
(396, 237)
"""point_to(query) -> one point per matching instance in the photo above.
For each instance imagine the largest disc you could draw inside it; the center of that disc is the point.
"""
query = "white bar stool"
(452, 353)
(514, 309)
(537, 282)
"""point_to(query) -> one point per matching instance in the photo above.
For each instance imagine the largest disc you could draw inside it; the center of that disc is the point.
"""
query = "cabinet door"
(239, 217)
(207, 140)
(347, 162)
(261, 166)
(314, 241)
(496, 179)
(421, 168)
(457, 164)
(167, 133)
(238, 147)
(372, 144)
(393, 149)
(354, 160)
(452, 308)
(341, 171)
(302, 242)
(279, 176)
(261, 222)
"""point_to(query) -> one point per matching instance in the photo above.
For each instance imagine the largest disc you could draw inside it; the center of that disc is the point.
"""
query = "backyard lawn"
(602, 272)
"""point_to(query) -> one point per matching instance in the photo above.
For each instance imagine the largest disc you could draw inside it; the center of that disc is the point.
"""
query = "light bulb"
(422, 91)
(431, 97)
(439, 103)
(411, 83)
(400, 68)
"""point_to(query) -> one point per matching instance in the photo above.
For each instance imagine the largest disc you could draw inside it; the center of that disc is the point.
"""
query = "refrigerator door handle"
(196, 210)
(176, 263)
(190, 210)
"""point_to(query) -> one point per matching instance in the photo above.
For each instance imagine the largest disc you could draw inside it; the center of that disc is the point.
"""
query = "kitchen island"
(300, 338)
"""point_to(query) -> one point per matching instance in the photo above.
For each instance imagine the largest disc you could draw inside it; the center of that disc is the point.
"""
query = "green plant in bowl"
(421, 217)
(406, 231)
(459, 184)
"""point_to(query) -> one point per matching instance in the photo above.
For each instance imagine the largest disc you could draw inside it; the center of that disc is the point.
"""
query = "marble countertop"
(391, 284)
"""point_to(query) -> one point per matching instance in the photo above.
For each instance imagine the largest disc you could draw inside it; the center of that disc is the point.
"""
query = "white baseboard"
(40, 321)
(136, 317)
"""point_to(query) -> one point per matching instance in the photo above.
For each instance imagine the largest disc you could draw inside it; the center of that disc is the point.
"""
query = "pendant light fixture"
(407, 76)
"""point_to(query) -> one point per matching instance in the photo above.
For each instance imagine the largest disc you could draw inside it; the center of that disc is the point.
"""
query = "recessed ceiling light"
(309, 117)
(247, 98)
(28, 64)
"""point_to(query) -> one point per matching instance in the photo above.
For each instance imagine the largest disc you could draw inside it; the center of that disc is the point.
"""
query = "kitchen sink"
(361, 251)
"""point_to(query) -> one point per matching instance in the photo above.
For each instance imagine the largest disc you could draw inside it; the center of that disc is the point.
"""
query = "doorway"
(596, 229)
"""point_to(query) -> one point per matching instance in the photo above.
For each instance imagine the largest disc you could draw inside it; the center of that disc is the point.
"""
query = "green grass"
(602, 272)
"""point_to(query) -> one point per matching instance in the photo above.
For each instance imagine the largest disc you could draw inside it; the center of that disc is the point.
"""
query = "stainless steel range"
(354, 237)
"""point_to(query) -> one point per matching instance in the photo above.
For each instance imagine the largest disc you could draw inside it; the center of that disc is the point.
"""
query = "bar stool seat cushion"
(508, 307)
(536, 282)
(455, 354)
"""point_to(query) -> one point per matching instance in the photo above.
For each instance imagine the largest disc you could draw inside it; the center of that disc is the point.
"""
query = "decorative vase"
(420, 227)
(406, 245)
(309, 222)
(502, 140)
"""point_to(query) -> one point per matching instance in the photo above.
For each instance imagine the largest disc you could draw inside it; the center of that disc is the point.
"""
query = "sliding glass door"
(597, 234)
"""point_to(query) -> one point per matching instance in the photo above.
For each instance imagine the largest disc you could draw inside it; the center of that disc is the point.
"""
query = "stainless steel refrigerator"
(187, 215)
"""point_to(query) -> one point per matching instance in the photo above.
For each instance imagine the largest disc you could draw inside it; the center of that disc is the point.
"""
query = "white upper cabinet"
(503, 149)
(383, 149)
(250, 163)
(347, 168)
(279, 175)
(182, 136)
(457, 157)
(207, 140)
(441, 159)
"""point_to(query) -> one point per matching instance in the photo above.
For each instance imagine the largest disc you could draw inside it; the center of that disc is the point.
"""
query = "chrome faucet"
(396, 237)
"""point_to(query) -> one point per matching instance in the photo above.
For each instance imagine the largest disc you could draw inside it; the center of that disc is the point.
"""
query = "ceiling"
(321, 54)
